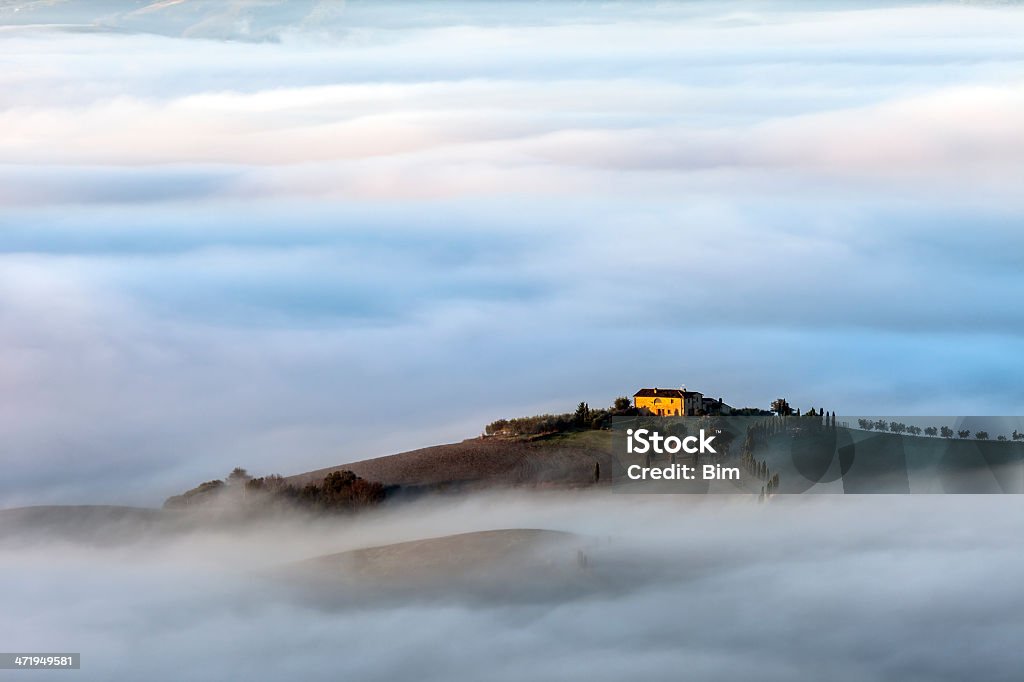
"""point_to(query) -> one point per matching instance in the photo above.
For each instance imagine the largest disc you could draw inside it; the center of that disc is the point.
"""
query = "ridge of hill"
(97, 524)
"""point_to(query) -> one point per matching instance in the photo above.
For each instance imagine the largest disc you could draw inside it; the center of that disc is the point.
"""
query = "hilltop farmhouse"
(678, 402)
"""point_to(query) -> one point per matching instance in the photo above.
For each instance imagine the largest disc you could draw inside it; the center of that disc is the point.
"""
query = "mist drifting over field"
(843, 588)
(287, 236)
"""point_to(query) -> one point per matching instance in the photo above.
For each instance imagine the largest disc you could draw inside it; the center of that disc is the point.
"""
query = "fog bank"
(843, 587)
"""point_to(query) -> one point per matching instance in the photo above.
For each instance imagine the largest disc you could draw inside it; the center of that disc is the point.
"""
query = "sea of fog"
(831, 587)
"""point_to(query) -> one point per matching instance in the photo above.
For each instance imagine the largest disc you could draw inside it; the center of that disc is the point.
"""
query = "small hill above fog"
(516, 563)
(440, 557)
(567, 460)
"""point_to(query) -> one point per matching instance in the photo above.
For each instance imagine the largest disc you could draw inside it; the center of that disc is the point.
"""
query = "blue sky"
(285, 242)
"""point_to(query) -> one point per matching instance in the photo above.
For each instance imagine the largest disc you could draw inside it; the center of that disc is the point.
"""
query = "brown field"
(558, 461)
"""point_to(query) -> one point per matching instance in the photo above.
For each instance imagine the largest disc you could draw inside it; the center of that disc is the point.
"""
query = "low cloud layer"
(249, 237)
(863, 587)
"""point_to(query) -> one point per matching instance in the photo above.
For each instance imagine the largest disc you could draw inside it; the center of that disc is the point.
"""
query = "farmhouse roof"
(664, 393)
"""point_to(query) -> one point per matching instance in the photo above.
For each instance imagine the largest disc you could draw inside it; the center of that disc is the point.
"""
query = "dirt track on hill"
(479, 463)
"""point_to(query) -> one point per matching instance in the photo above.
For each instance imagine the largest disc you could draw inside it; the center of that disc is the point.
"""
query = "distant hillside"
(437, 558)
(96, 524)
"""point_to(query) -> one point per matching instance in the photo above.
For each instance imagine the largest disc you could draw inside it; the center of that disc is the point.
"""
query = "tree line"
(933, 431)
(585, 417)
(338, 491)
